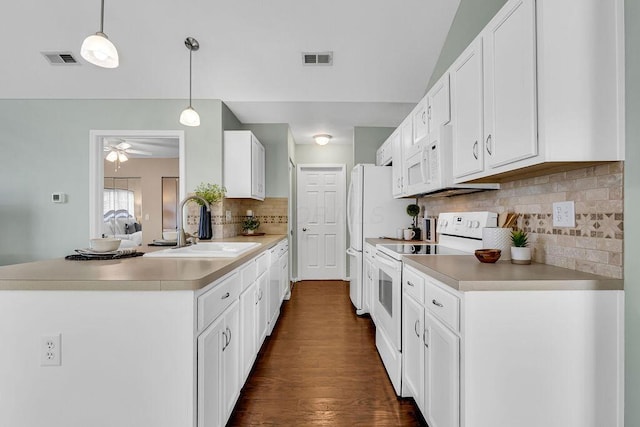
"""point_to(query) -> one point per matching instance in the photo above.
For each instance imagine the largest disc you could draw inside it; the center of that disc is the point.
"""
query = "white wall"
(127, 359)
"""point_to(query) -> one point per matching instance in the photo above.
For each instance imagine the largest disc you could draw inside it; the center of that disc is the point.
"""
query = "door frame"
(96, 167)
(342, 234)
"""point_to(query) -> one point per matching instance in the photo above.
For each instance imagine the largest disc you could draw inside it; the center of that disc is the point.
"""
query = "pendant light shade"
(189, 116)
(98, 49)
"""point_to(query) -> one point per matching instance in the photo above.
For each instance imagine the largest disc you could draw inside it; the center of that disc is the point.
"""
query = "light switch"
(564, 214)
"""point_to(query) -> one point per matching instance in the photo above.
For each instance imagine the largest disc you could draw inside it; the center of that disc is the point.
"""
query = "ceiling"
(250, 56)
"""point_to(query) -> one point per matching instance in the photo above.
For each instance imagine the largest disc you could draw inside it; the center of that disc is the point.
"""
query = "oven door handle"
(383, 260)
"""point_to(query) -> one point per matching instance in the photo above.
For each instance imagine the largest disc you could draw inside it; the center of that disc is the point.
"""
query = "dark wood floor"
(321, 367)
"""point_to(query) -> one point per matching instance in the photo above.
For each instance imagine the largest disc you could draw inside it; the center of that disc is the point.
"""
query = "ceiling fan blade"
(123, 146)
(143, 153)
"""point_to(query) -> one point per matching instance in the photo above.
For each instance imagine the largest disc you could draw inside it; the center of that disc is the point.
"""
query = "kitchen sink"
(206, 250)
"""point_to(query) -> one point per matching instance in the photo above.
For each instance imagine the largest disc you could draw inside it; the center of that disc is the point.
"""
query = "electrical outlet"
(228, 216)
(51, 350)
(564, 214)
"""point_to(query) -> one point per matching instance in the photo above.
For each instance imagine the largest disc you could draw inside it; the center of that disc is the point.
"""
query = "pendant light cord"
(102, 16)
(190, 56)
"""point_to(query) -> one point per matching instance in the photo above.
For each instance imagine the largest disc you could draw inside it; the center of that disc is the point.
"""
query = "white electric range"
(458, 233)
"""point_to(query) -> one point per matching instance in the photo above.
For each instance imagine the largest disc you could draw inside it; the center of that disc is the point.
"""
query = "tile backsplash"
(272, 214)
(594, 245)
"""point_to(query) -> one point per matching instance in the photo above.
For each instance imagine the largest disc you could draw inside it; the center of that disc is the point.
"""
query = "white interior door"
(321, 221)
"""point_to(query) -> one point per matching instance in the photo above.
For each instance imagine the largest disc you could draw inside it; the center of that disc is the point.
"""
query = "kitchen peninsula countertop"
(129, 274)
(465, 273)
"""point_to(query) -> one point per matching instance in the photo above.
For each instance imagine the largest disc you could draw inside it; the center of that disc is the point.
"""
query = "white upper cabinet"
(466, 97)
(244, 165)
(384, 155)
(551, 89)
(420, 120)
(439, 107)
(509, 58)
(398, 163)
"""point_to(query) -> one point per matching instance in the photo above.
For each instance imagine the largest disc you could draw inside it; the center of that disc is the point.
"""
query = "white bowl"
(170, 235)
(105, 244)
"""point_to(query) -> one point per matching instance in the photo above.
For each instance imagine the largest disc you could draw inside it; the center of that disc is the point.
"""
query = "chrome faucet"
(182, 238)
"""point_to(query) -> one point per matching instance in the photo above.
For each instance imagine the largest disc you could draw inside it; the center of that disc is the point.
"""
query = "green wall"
(275, 138)
(631, 213)
(366, 141)
(470, 19)
(46, 149)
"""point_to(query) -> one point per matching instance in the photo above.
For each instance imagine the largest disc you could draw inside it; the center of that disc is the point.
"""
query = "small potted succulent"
(520, 252)
(250, 224)
(413, 211)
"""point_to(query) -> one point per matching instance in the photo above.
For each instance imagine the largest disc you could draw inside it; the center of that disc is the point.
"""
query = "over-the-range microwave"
(430, 170)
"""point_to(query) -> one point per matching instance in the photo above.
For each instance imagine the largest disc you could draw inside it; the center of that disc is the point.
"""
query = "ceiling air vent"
(60, 58)
(317, 58)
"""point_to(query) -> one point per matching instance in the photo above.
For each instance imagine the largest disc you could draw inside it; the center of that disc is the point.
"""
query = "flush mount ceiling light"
(322, 139)
(189, 116)
(97, 49)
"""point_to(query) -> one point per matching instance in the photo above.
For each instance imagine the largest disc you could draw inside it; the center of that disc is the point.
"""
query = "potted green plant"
(520, 252)
(413, 211)
(250, 224)
(212, 193)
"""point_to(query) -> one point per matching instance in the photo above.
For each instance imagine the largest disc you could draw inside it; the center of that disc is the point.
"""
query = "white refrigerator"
(372, 212)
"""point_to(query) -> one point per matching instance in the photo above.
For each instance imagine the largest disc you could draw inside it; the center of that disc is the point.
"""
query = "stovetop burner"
(419, 249)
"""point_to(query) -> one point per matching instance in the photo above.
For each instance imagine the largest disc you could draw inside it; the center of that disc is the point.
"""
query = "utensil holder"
(497, 238)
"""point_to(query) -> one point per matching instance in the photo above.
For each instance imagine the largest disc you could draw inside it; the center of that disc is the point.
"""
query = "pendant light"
(97, 49)
(189, 116)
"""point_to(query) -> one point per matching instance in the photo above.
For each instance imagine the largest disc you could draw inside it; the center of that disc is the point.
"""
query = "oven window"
(385, 291)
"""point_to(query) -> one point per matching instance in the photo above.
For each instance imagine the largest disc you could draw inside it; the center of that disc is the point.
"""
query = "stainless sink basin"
(206, 250)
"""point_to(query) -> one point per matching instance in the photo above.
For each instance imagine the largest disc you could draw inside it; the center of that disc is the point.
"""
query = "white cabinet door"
(263, 308)
(509, 57)
(210, 344)
(249, 328)
(439, 109)
(412, 350)
(257, 169)
(398, 163)
(409, 145)
(466, 112)
(231, 359)
(420, 120)
(442, 374)
(284, 275)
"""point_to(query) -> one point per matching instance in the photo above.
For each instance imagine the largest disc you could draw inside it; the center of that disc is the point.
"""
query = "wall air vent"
(60, 58)
(317, 58)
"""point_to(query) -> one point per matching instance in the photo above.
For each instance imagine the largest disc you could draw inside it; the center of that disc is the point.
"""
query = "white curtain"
(119, 200)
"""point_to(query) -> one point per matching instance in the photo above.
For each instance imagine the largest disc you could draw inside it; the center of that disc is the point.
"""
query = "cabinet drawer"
(413, 284)
(262, 263)
(215, 301)
(443, 305)
(248, 274)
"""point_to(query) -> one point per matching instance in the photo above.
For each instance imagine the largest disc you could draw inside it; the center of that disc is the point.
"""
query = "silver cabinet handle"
(487, 145)
(224, 334)
(225, 296)
(436, 303)
(475, 150)
(429, 112)
(409, 283)
(425, 338)
(415, 328)
(304, 229)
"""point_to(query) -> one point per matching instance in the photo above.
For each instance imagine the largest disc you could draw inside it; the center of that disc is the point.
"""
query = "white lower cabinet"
(441, 373)
(218, 369)
(232, 321)
(503, 358)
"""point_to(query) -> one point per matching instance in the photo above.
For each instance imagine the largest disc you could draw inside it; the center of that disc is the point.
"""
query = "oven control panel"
(466, 224)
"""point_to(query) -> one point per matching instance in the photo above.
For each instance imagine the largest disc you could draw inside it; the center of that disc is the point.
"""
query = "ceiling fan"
(118, 153)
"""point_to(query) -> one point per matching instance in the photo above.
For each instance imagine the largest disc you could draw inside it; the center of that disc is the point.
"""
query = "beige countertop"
(132, 274)
(466, 273)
